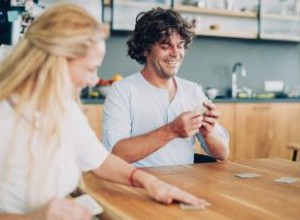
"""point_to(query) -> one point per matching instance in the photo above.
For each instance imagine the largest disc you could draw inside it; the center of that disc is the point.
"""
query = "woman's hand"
(164, 192)
(62, 209)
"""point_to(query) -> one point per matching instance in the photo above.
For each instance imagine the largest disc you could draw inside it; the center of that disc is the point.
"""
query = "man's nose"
(174, 51)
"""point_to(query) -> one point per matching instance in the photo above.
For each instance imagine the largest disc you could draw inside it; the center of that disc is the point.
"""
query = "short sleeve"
(218, 129)
(90, 152)
(117, 117)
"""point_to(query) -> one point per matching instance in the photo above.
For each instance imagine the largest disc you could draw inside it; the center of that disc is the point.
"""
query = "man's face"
(84, 70)
(165, 58)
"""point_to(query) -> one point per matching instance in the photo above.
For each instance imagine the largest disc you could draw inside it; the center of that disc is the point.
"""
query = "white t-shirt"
(135, 107)
(80, 151)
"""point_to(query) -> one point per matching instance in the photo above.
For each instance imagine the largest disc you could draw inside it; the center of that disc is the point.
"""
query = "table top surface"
(231, 197)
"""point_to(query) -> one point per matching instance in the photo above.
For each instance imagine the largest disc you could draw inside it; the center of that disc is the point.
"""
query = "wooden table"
(231, 197)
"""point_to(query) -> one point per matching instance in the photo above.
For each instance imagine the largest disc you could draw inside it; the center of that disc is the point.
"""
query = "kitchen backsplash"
(209, 62)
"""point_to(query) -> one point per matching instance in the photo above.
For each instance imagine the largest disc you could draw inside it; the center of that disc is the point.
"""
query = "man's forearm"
(136, 148)
(217, 146)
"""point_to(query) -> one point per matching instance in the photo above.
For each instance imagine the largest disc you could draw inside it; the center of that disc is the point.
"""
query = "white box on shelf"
(274, 86)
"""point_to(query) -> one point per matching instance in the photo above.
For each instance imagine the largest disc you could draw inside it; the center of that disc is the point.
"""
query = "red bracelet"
(131, 176)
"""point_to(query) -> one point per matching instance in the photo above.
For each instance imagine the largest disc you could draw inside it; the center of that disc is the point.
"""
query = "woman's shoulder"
(6, 111)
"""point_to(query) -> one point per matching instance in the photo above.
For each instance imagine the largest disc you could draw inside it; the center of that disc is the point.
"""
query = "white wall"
(93, 6)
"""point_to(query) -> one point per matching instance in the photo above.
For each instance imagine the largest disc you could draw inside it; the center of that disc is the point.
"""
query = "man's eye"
(180, 46)
(164, 46)
(93, 70)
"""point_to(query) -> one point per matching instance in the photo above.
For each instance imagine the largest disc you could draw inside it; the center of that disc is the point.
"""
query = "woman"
(46, 140)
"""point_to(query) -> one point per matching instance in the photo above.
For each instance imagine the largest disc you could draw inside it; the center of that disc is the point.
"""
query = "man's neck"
(157, 81)
(162, 83)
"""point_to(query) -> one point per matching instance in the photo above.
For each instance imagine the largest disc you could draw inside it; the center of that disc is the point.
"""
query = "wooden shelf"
(281, 37)
(245, 35)
(280, 17)
(138, 4)
(218, 12)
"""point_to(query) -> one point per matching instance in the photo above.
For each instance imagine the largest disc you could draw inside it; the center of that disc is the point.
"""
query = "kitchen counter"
(218, 100)
(93, 101)
(254, 100)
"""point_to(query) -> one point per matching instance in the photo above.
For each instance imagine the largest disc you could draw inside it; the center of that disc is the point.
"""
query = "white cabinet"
(248, 19)
(95, 7)
(280, 20)
(124, 12)
(222, 18)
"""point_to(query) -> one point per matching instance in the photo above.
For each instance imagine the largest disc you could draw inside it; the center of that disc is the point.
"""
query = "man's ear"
(145, 53)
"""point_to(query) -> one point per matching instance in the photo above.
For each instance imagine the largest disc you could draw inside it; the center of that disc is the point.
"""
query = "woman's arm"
(117, 170)
(56, 209)
(14, 217)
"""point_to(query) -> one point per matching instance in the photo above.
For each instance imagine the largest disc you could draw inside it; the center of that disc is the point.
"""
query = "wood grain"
(256, 130)
(94, 114)
(231, 197)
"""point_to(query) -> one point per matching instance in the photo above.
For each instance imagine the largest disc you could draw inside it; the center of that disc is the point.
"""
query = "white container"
(212, 93)
(284, 7)
(104, 90)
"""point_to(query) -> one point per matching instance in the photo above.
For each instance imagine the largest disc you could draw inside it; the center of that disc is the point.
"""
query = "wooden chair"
(202, 158)
(294, 147)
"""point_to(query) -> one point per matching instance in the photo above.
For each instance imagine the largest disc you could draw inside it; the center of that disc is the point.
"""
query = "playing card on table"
(247, 175)
(191, 207)
(286, 179)
(88, 201)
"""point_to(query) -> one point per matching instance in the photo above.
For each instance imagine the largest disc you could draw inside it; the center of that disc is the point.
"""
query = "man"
(152, 118)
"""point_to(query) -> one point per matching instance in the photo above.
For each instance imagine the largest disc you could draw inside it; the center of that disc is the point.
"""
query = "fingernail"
(208, 204)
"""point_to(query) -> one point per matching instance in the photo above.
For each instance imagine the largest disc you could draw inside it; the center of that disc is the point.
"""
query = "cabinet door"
(237, 19)
(264, 129)
(124, 12)
(288, 127)
(279, 129)
(94, 114)
(280, 20)
(227, 120)
(253, 130)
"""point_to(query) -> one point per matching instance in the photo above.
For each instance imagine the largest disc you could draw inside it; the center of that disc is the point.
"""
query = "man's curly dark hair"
(155, 26)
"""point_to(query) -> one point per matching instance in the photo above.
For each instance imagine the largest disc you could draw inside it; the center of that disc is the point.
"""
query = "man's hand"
(210, 118)
(187, 124)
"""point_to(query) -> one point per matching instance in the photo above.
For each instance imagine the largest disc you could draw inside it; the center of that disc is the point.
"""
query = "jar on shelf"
(297, 7)
(284, 7)
(229, 4)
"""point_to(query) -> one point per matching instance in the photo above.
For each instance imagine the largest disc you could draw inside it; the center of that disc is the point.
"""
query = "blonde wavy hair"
(36, 71)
